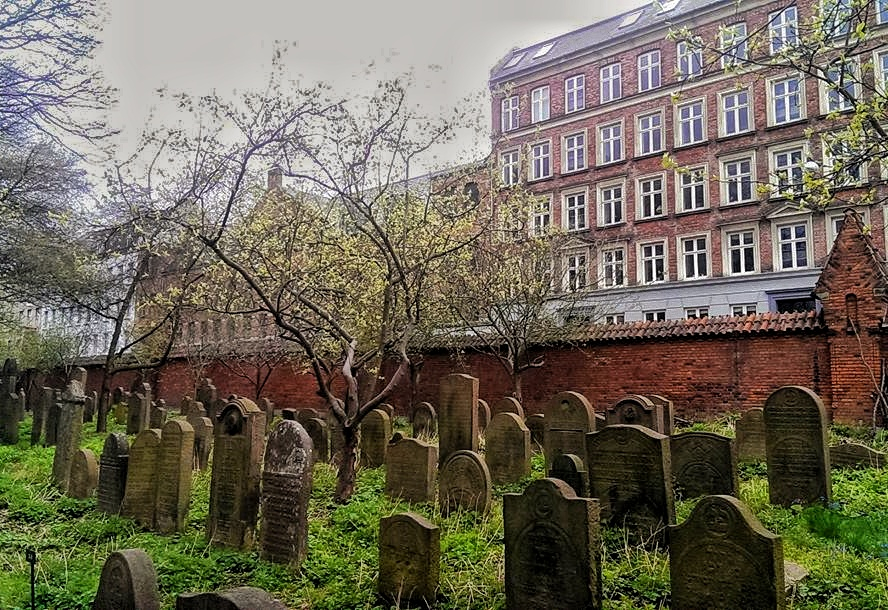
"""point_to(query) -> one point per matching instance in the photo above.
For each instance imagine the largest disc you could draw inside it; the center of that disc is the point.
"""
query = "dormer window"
(515, 60)
(543, 50)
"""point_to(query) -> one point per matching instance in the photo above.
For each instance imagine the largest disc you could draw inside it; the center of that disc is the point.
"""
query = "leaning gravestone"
(749, 431)
(703, 464)
(84, 474)
(138, 411)
(569, 417)
(536, 423)
(667, 412)
(40, 414)
(722, 558)
(239, 598)
(571, 469)
(630, 474)
(140, 498)
(457, 416)
(286, 488)
(203, 439)
(425, 421)
(320, 439)
(552, 548)
(507, 451)
(174, 463)
(410, 469)
(483, 415)
(9, 420)
(855, 455)
(70, 425)
(112, 473)
(409, 560)
(797, 448)
(636, 410)
(234, 488)
(376, 430)
(128, 582)
(508, 404)
(464, 483)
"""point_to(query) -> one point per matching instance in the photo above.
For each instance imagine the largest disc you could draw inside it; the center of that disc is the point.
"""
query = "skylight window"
(516, 58)
(667, 6)
(630, 19)
(544, 49)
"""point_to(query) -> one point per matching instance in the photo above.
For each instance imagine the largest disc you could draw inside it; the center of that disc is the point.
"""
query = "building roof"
(602, 33)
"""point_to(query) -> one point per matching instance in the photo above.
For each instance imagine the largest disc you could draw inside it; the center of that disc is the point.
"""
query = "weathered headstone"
(9, 420)
(290, 414)
(667, 412)
(174, 464)
(158, 414)
(89, 406)
(409, 560)
(572, 470)
(112, 474)
(70, 425)
(390, 409)
(239, 598)
(797, 448)
(20, 405)
(53, 413)
(552, 548)
(128, 582)
(749, 433)
(483, 415)
(138, 411)
(569, 417)
(722, 558)
(207, 395)
(286, 488)
(411, 466)
(703, 464)
(635, 410)
(320, 438)
(234, 489)
(267, 407)
(84, 474)
(203, 439)
(425, 421)
(536, 423)
(507, 450)
(303, 415)
(457, 416)
(855, 455)
(630, 473)
(40, 413)
(140, 498)
(464, 483)
(376, 430)
(509, 404)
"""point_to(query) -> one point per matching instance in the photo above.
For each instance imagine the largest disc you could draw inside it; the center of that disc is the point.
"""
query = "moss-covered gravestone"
(703, 464)
(457, 416)
(409, 552)
(464, 483)
(507, 448)
(112, 473)
(128, 582)
(174, 461)
(410, 470)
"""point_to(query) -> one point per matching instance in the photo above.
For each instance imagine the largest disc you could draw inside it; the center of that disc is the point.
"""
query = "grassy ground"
(844, 548)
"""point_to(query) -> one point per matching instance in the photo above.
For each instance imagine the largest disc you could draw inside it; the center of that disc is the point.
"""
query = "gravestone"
(320, 439)
(207, 395)
(722, 558)
(457, 416)
(571, 469)
(89, 406)
(9, 421)
(186, 406)
(40, 413)
(667, 412)
(425, 421)
(749, 432)
(239, 598)
(303, 415)
(70, 425)
(121, 400)
(20, 405)
(158, 414)
(376, 430)
(203, 439)
(128, 582)
(552, 548)
(508, 404)
(507, 450)
(635, 410)
(286, 488)
(84, 474)
(290, 414)
(483, 415)
(388, 409)
(138, 410)
(569, 417)
(112, 473)
(797, 448)
(536, 423)
(234, 489)
(630, 473)
(855, 455)
(53, 413)
(140, 497)
(703, 464)
(410, 469)
(464, 483)
(174, 463)
(267, 407)
(409, 560)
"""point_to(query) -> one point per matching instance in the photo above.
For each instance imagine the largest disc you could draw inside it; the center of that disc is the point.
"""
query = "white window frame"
(689, 59)
(540, 160)
(610, 82)
(773, 97)
(734, 45)
(783, 29)
(650, 75)
(646, 135)
(607, 144)
(574, 93)
(692, 177)
(841, 178)
(880, 67)
(735, 112)
(793, 222)
(881, 12)
(575, 154)
(539, 104)
(691, 120)
(570, 205)
(611, 267)
(575, 261)
(541, 215)
(831, 217)
(830, 98)
(774, 169)
(741, 247)
(695, 313)
(644, 257)
(645, 197)
(655, 315)
(841, 25)
(743, 309)
(726, 180)
(615, 207)
(511, 160)
(706, 252)
(614, 318)
(510, 114)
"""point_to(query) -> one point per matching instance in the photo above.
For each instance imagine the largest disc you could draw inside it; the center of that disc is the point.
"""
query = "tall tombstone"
(797, 447)
(84, 475)
(267, 407)
(572, 470)
(457, 416)
(552, 548)
(507, 451)
(53, 413)
(509, 404)
(722, 557)
(140, 497)
(20, 405)
(409, 560)
(667, 412)
(9, 421)
(239, 598)
(636, 410)
(855, 455)
(749, 431)
(424, 420)
(376, 430)
(174, 463)
(320, 438)
(158, 414)
(464, 483)
(206, 395)
(286, 489)
(569, 417)
(112, 473)
(128, 582)
(410, 469)
(536, 423)
(89, 406)
(203, 439)
(483, 415)
(69, 428)
(40, 412)
(703, 464)
(120, 398)
(138, 411)
(630, 473)
(234, 489)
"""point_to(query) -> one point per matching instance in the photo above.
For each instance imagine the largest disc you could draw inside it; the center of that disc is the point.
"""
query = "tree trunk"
(104, 404)
(516, 386)
(345, 483)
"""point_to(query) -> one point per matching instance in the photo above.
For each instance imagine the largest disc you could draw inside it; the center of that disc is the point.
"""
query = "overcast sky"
(203, 45)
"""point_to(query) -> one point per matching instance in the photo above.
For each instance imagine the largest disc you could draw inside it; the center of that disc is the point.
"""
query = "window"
(509, 116)
(539, 104)
(575, 211)
(510, 166)
(690, 123)
(841, 163)
(575, 271)
(836, 220)
(650, 133)
(741, 253)
(695, 257)
(649, 71)
(787, 170)
(733, 44)
(540, 160)
(737, 179)
(690, 59)
(881, 68)
(542, 215)
(610, 203)
(574, 152)
(743, 309)
(735, 112)
(610, 139)
(543, 50)
(614, 318)
(692, 188)
(650, 196)
(611, 89)
(836, 16)
(793, 246)
(653, 262)
(575, 93)
(783, 29)
(786, 100)
(667, 5)
(514, 60)
(613, 267)
(882, 11)
(693, 313)
(630, 19)
(658, 315)
(841, 92)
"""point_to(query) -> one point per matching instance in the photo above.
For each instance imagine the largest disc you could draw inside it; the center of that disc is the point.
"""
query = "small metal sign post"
(31, 558)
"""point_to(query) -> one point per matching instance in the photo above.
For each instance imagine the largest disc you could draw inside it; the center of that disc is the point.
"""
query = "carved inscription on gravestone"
(457, 416)
(703, 464)
(128, 582)
(749, 431)
(112, 474)
(636, 410)
(464, 483)
(409, 552)
(507, 451)
(174, 463)
(411, 466)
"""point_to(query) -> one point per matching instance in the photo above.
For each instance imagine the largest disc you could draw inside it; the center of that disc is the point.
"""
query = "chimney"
(275, 179)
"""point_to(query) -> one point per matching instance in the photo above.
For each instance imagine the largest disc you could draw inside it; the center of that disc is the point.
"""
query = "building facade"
(672, 146)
